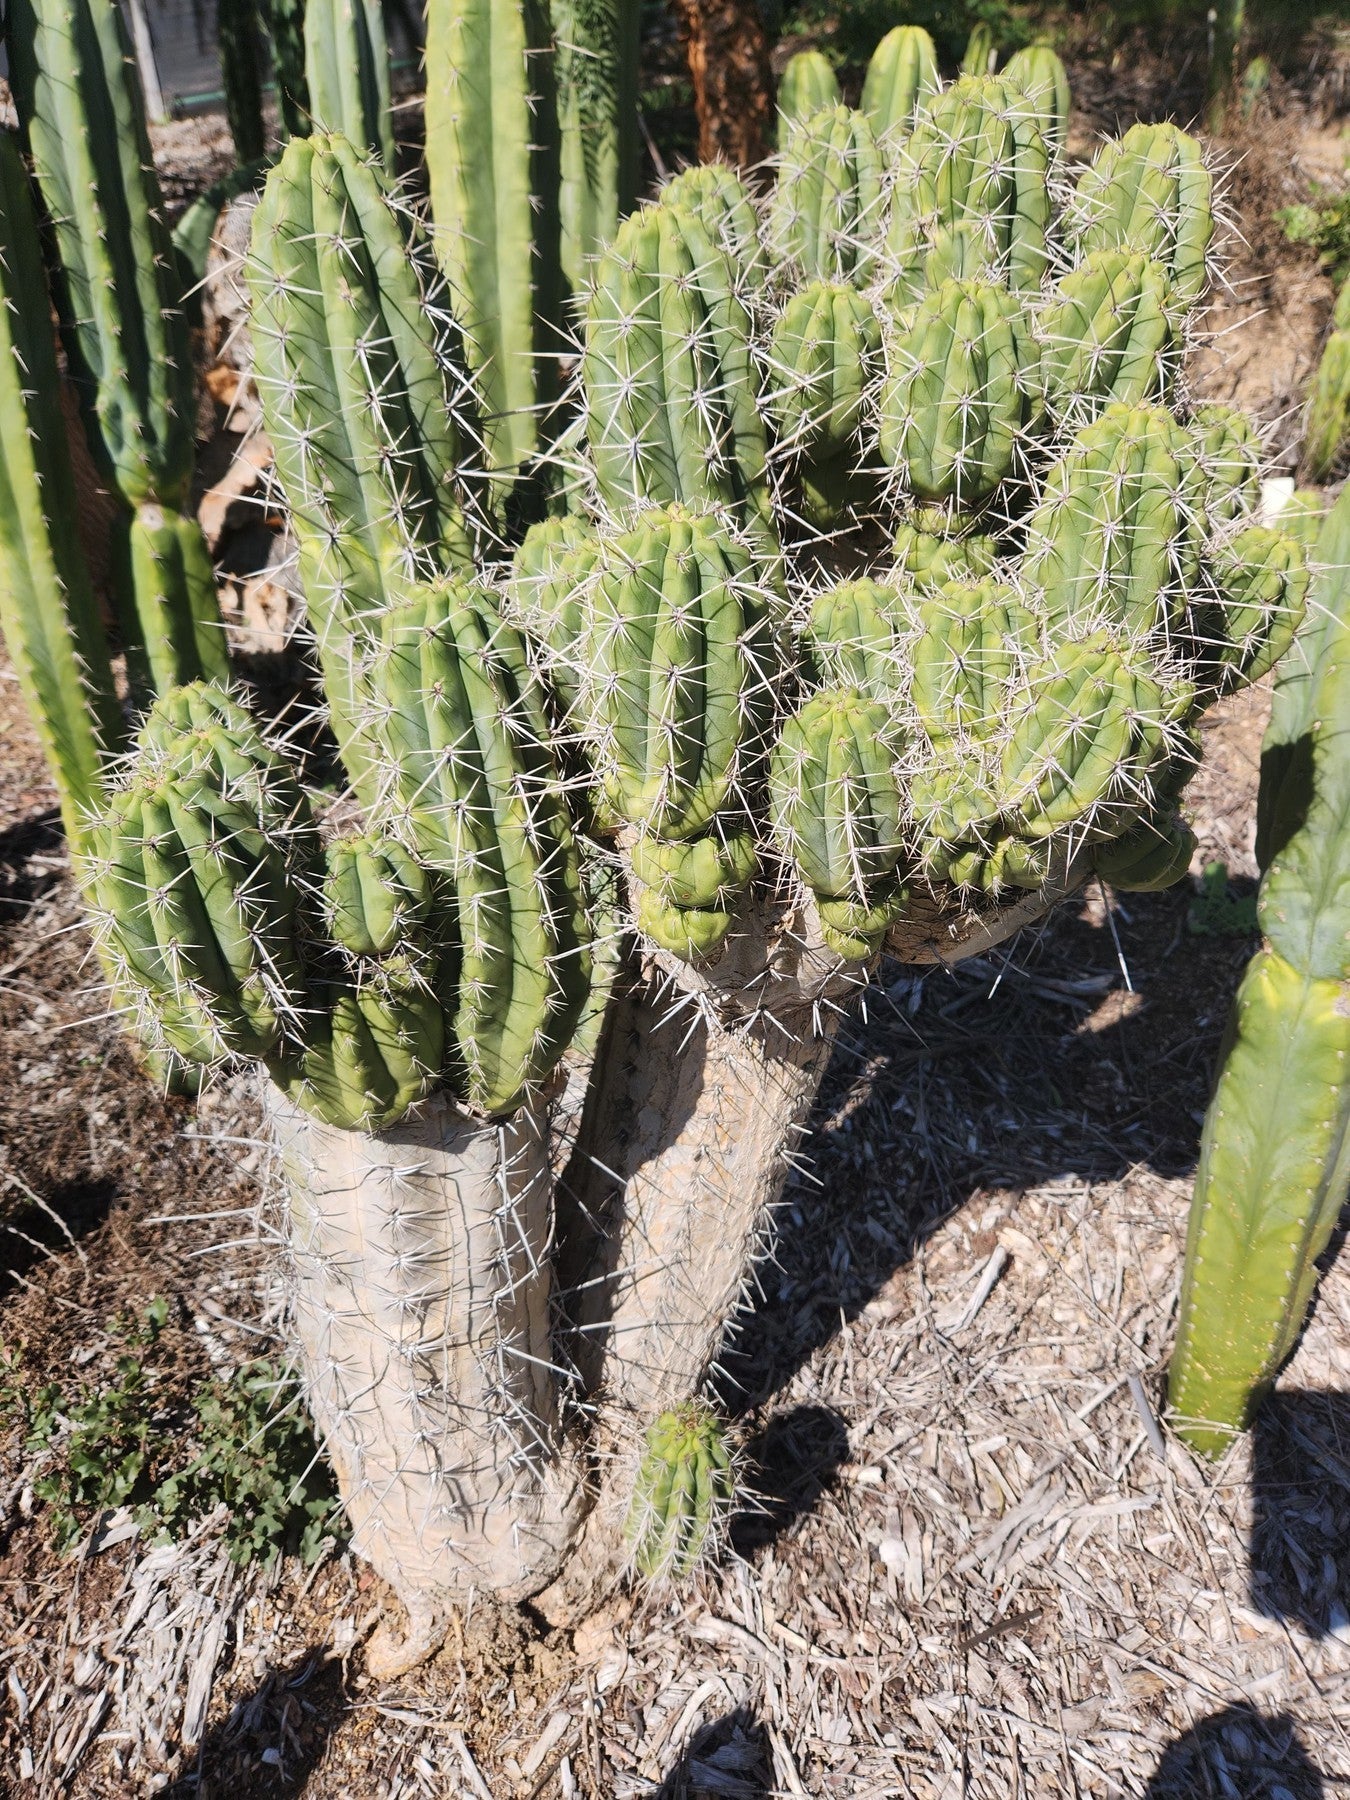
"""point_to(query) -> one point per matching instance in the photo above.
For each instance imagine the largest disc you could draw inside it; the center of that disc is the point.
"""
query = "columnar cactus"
(347, 73)
(737, 720)
(1274, 1160)
(239, 38)
(828, 196)
(901, 76)
(125, 336)
(807, 84)
(493, 160)
(47, 608)
(597, 74)
(976, 157)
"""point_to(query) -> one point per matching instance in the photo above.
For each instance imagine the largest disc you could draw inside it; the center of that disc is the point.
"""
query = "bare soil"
(972, 1564)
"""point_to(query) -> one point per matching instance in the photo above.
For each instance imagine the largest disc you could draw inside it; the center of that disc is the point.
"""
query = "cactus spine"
(492, 158)
(47, 609)
(125, 336)
(347, 73)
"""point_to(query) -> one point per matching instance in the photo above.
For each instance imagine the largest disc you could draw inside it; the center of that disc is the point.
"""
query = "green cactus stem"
(1228, 450)
(285, 21)
(472, 790)
(980, 56)
(117, 296)
(932, 547)
(493, 163)
(347, 74)
(683, 1493)
(1328, 422)
(1118, 533)
(1044, 80)
(807, 84)
(1109, 334)
(836, 808)
(597, 81)
(721, 202)
(825, 208)
(823, 353)
(361, 385)
(962, 392)
(198, 869)
(672, 395)
(238, 36)
(976, 155)
(1149, 191)
(47, 609)
(901, 75)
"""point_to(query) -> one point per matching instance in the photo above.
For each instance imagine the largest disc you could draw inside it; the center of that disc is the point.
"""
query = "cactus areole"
(883, 586)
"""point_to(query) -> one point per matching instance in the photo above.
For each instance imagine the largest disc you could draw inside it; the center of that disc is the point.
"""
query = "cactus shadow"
(727, 1758)
(271, 1740)
(1085, 1047)
(22, 879)
(1239, 1754)
(790, 1463)
(1300, 1538)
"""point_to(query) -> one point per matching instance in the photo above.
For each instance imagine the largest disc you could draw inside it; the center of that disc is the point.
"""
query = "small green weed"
(1325, 224)
(245, 1443)
(1216, 911)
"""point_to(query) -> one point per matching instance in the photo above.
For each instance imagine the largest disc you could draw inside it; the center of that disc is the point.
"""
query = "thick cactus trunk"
(728, 53)
(420, 1260)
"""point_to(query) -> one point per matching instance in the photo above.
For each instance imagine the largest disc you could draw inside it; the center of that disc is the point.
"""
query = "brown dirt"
(968, 1570)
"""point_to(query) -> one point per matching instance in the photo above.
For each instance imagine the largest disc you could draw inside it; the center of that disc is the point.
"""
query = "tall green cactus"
(492, 156)
(125, 334)
(901, 75)
(47, 609)
(237, 33)
(597, 81)
(1042, 77)
(825, 208)
(671, 387)
(360, 392)
(807, 84)
(976, 156)
(285, 21)
(347, 73)
(1149, 191)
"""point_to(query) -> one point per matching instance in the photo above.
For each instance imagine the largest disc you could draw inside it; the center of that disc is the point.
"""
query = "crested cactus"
(704, 743)
(125, 336)
(901, 75)
(807, 84)
(493, 157)
(347, 74)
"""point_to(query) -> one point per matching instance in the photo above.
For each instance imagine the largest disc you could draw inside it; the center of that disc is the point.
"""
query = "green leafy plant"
(246, 1444)
(1216, 911)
